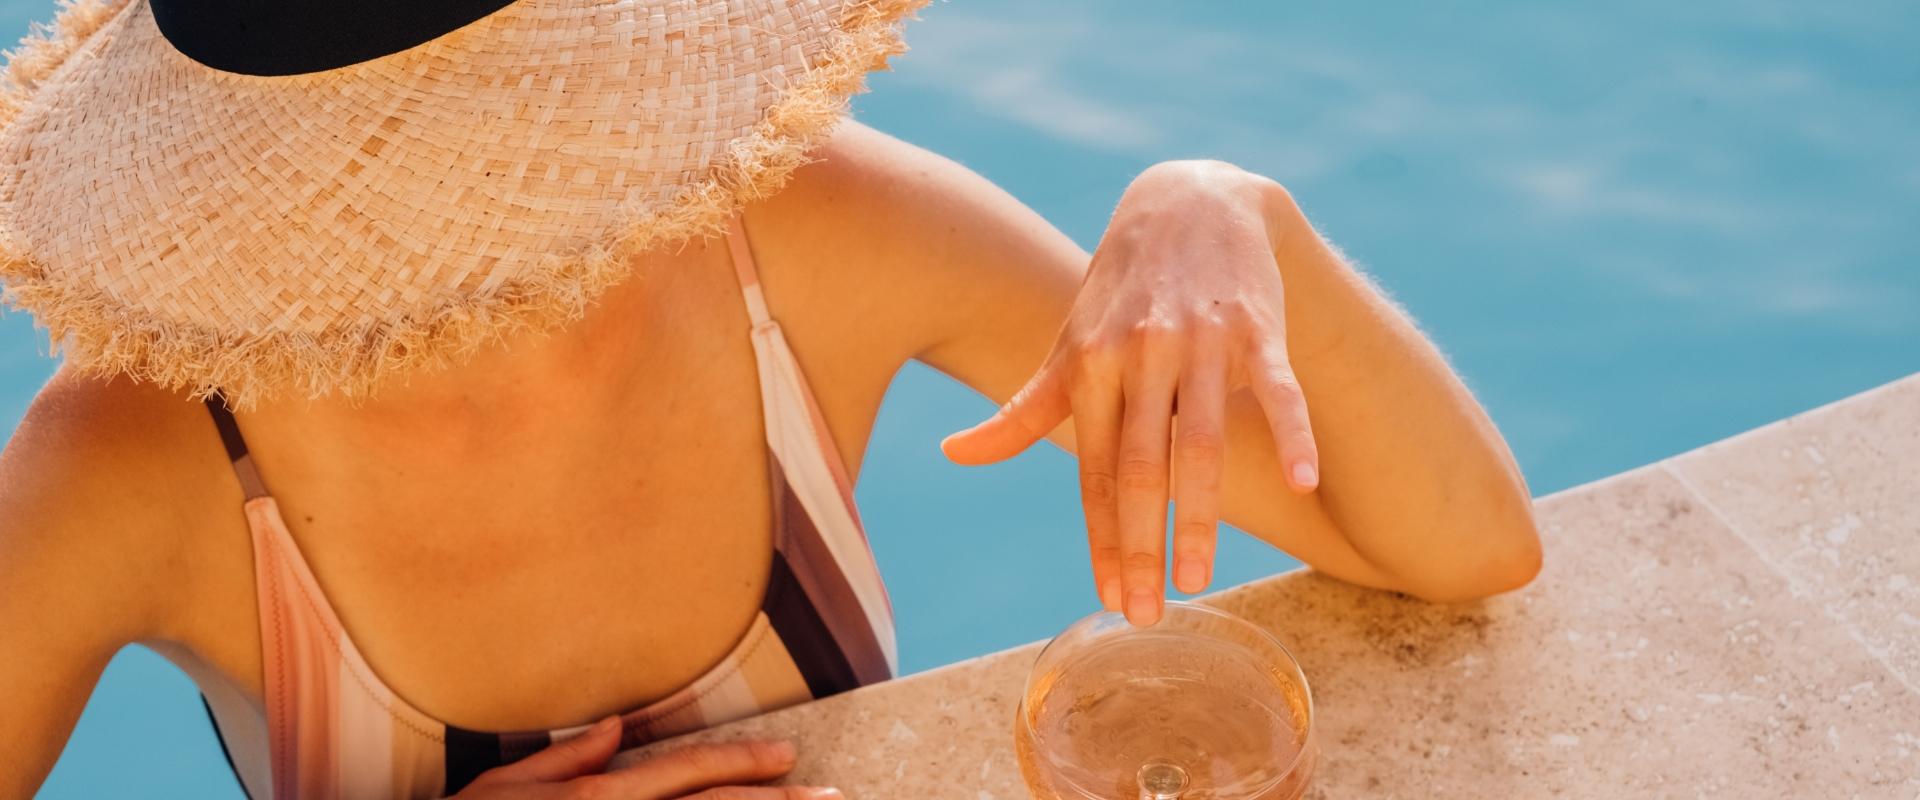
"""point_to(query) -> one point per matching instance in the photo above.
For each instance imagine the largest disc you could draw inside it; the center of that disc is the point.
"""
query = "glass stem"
(1160, 780)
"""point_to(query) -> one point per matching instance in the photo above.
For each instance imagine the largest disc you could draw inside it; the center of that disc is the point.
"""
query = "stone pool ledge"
(1739, 621)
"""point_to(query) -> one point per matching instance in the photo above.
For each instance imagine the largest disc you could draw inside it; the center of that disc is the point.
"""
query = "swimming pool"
(1635, 227)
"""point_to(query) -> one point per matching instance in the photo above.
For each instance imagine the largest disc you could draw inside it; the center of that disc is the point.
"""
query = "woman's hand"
(573, 769)
(1182, 305)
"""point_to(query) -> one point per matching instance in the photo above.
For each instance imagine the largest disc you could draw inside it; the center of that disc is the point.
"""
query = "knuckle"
(1042, 384)
(1092, 351)
(1142, 564)
(1283, 383)
(1258, 326)
(1212, 314)
(1154, 340)
(703, 759)
(766, 755)
(1152, 334)
(1139, 482)
(1205, 447)
(1208, 330)
(1106, 554)
(1236, 312)
(1297, 427)
(1097, 487)
(1190, 535)
(1136, 471)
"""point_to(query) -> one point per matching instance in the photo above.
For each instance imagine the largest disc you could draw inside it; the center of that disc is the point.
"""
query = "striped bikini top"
(332, 728)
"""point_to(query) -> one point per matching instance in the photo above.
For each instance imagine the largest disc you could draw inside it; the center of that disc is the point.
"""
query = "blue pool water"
(1634, 227)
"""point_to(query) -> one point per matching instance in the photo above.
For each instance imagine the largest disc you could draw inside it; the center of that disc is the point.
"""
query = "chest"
(568, 567)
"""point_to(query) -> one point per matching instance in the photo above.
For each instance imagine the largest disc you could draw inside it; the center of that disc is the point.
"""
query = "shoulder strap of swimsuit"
(743, 267)
(236, 445)
(817, 524)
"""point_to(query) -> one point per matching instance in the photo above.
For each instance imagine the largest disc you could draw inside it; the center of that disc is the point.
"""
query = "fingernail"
(1304, 475)
(1143, 608)
(784, 751)
(607, 725)
(1110, 594)
(1190, 575)
(825, 794)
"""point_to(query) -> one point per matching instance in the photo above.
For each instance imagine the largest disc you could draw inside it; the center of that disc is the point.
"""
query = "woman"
(331, 438)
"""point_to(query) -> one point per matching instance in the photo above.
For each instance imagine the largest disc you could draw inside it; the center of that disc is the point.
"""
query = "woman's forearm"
(1415, 478)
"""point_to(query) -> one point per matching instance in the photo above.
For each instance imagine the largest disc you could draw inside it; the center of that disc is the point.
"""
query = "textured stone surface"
(1664, 652)
(1831, 499)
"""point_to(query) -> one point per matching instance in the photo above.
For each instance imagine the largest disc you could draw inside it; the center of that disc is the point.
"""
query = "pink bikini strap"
(743, 268)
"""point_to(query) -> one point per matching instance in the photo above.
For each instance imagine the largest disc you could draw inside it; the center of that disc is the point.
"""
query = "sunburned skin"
(471, 524)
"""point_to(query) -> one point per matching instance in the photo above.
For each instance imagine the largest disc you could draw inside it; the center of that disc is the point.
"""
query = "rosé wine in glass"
(1200, 706)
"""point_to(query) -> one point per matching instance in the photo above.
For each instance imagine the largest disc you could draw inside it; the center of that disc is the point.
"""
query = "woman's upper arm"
(86, 544)
(961, 275)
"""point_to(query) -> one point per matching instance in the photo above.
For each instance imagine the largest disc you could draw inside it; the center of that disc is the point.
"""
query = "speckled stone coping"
(1740, 621)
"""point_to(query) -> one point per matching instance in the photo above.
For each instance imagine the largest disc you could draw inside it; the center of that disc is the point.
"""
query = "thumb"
(1037, 408)
(584, 754)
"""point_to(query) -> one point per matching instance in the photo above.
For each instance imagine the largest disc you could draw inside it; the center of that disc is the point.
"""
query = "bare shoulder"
(114, 436)
(858, 171)
(102, 487)
(864, 199)
(887, 195)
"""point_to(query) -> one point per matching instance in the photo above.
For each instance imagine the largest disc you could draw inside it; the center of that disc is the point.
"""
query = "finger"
(584, 754)
(700, 766)
(769, 793)
(1039, 407)
(1199, 458)
(1285, 404)
(1141, 472)
(1096, 433)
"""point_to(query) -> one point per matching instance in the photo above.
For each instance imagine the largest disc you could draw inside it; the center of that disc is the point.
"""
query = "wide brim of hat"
(315, 234)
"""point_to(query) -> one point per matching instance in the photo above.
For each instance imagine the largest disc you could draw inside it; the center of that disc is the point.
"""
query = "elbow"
(1506, 556)
(1514, 564)
(1502, 547)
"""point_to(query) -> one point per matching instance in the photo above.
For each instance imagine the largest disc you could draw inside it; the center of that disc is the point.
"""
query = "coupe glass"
(1203, 705)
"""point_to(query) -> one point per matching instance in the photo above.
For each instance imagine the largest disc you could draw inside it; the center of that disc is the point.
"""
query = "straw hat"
(316, 233)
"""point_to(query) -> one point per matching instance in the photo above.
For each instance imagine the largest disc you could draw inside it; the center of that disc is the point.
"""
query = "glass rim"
(1290, 660)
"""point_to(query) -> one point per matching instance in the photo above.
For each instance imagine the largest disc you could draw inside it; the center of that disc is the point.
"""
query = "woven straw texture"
(319, 233)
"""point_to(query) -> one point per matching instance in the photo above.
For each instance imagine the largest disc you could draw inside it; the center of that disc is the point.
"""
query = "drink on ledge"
(1201, 706)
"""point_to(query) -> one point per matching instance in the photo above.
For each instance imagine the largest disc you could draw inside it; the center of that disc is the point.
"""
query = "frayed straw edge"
(100, 336)
(45, 47)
